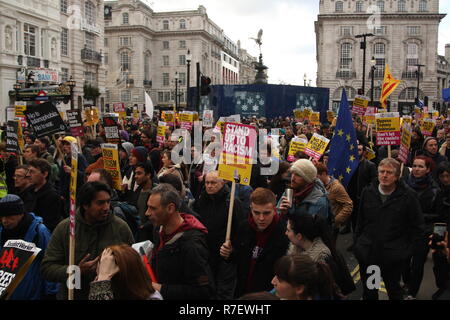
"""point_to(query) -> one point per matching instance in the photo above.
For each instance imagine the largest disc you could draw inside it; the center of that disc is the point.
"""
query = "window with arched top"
(89, 12)
(182, 24)
(125, 18)
(410, 93)
(165, 24)
(380, 5)
(359, 6)
(402, 6)
(423, 5)
(339, 6)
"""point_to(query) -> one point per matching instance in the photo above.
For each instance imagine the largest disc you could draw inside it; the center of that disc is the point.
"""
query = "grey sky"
(289, 40)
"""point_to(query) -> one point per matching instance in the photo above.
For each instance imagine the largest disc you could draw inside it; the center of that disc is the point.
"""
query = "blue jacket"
(32, 286)
(315, 203)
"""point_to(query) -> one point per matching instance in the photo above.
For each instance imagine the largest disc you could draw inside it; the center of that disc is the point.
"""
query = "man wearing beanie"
(430, 149)
(16, 224)
(310, 195)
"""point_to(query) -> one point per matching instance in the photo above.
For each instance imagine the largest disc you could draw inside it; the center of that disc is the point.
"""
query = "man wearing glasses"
(390, 225)
(23, 186)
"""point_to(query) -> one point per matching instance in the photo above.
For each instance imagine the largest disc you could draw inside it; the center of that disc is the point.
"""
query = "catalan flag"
(389, 86)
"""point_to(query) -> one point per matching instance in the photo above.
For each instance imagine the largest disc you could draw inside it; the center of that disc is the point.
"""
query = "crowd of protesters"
(277, 245)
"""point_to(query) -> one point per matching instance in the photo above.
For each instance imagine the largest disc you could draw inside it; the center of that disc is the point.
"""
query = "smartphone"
(439, 230)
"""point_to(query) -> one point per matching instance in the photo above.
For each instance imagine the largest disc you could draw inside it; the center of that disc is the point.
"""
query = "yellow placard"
(388, 124)
(360, 101)
(186, 117)
(307, 113)
(88, 115)
(315, 118)
(427, 127)
(135, 113)
(407, 119)
(370, 154)
(95, 116)
(73, 172)
(20, 139)
(168, 117)
(111, 163)
(161, 132)
(298, 114)
(316, 146)
(19, 110)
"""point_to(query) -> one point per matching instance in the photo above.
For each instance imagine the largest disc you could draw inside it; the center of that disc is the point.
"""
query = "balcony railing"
(346, 74)
(411, 75)
(91, 56)
(148, 83)
(33, 62)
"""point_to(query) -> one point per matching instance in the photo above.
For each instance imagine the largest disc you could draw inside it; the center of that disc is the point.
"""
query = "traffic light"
(360, 92)
(204, 86)
(425, 101)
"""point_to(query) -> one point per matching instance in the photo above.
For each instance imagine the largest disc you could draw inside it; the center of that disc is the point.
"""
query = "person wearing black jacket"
(212, 206)
(390, 226)
(259, 243)
(23, 187)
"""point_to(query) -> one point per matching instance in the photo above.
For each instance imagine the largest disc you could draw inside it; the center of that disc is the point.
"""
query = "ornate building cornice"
(388, 16)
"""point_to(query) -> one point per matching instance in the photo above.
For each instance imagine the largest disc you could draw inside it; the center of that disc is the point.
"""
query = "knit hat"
(127, 147)
(426, 141)
(305, 169)
(11, 205)
(140, 153)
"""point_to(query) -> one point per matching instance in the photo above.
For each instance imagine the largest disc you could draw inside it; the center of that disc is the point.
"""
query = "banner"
(315, 118)
(12, 141)
(405, 143)
(208, 118)
(239, 145)
(16, 258)
(45, 119)
(161, 132)
(75, 123)
(111, 163)
(169, 118)
(110, 123)
(296, 145)
(388, 128)
(120, 109)
(316, 146)
(360, 105)
(427, 127)
(73, 188)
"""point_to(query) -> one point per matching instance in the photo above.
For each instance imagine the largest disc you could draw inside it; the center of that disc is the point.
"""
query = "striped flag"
(389, 86)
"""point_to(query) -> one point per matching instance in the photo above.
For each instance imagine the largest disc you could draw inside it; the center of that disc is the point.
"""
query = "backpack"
(129, 214)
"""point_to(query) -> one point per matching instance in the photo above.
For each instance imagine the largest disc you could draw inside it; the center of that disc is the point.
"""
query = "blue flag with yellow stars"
(343, 157)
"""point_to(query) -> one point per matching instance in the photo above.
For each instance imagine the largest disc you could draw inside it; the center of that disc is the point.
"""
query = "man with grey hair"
(390, 226)
(180, 256)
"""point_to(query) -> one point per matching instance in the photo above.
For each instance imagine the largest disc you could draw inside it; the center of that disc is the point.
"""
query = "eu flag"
(343, 157)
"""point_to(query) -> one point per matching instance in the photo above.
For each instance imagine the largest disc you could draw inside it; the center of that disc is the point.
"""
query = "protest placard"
(88, 116)
(12, 141)
(298, 114)
(417, 113)
(221, 122)
(315, 118)
(169, 118)
(186, 120)
(407, 119)
(316, 146)
(110, 123)
(307, 113)
(296, 145)
(95, 115)
(237, 153)
(75, 123)
(369, 116)
(111, 163)
(208, 118)
(120, 109)
(405, 143)
(45, 119)
(161, 132)
(360, 105)
(388, 128)
(16, 258)
(20, 108)
(427, 127)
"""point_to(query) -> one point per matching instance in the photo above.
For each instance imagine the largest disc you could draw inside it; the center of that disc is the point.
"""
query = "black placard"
(111, 129)
(45, 119)
(75, 123)
(12, 141)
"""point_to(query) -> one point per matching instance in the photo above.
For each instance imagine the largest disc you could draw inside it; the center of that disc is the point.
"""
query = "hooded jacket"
(33, 286)
(48, 205)
(180, 262)
(92, 239)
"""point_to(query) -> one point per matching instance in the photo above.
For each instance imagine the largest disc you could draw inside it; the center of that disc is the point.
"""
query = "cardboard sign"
(208, 118)
(407, 119)
(417, 113)
(135, 113)
(316, 146)
(88, 116)
(120, 109)
(388, 128)
(111, 163)
(360, 105)
(45, 119)
(405, 143)
(75, 123)
(435, 115)
(16, 258)
(110, 121)
(73, 188)
(221, 122)
(370, 154)
(169, 118)
(237, 153)
(315, 118)
(296, 145)
(427, 127)
(307, 113)
(20, 108)
(12, 141)
(298, 114)
(369, 116)
(161, 132)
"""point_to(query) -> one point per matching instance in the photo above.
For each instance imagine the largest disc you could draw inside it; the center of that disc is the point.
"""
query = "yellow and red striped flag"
(389, 86)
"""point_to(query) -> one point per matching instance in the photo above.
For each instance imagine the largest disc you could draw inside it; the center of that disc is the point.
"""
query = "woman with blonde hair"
(121, 275)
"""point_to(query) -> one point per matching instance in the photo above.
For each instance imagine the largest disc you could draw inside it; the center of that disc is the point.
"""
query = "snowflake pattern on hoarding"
(250, 103)
(307, 100)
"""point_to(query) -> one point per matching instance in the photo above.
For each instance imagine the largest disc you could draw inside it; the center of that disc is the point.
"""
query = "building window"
(125, 18)
(359, 6)
(408, 94)
(105, 58)
(339, 6)
(165, 79)
(413, 30)
(165, 24)
(64, 41)
(167, 96)
(380, 5)
(182, 44)
(64, 75)
(346, 56)
(147, 67)
(413, 50)
(165, 61)
(160, 96)
(402, 6)
(182, 78)
(89, 12)
(165, 45)
(29, 39)
(89, 78)
(125, 96)
(63, 6)
(379, 31)
(422, 6)
(346, 31)
(124, 61)
(182, 60)
(89, 41)
(379, 48)
(182, 24)
(125, 41)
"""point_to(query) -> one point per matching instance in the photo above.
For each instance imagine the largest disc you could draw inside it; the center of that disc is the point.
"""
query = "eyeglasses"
(18, 176)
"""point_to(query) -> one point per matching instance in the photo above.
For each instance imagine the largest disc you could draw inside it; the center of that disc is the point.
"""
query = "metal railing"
(91, 56)
(33, 62)
(346, 74)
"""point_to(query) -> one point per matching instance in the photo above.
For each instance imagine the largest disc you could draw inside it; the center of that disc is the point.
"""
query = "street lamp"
(71, 84)
(188, 60)
(304, 79)
(363, 47)
(418, 81)
(373, 63)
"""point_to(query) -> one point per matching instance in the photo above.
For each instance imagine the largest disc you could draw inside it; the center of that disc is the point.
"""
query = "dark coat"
(48, 205)
(427, 197)
(28, 197)
(364, 176)
(276, 247)
(387, 233)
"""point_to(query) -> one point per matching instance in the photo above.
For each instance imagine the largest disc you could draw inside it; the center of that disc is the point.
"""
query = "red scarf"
(302, 194)
(261, 240)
